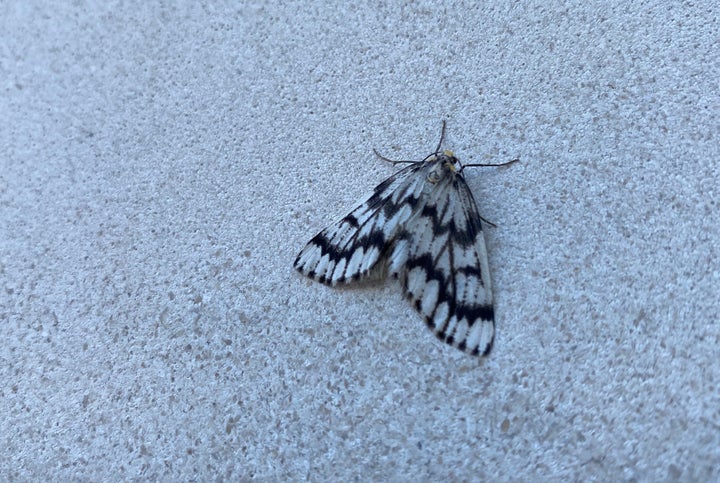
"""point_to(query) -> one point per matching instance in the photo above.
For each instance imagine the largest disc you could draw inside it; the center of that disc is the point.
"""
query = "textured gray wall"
(161, 166)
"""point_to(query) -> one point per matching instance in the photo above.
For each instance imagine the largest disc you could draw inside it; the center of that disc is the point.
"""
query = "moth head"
(445, 163)
(449, 160)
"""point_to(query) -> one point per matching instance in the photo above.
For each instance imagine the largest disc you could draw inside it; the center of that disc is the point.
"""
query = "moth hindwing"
(422, 226)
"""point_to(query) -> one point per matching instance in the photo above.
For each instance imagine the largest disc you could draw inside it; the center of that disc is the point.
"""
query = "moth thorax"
(445, 164)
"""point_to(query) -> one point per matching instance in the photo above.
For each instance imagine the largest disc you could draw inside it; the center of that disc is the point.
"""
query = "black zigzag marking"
(375, 239)
(461, 310)
(340, 242)
(463, 236)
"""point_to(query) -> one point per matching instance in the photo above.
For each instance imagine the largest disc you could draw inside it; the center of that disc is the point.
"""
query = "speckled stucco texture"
(162, 164)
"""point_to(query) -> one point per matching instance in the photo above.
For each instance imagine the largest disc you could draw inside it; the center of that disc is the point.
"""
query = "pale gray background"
(163, 165)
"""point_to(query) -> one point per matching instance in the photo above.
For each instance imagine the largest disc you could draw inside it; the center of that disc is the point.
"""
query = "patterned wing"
(350, 249)
(442, 262)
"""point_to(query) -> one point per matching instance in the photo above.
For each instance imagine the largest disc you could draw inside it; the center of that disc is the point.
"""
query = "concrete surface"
(162, 165)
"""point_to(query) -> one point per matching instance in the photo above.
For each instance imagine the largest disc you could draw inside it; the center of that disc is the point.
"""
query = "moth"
(420, 225)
